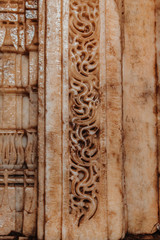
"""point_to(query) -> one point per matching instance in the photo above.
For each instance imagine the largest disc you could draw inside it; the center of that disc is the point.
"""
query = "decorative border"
(84, 101)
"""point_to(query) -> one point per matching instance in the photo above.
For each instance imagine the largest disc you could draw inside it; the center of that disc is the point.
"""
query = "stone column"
(139, 115)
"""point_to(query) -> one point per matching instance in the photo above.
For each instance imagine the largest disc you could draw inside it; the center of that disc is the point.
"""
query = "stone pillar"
(89, 174)
(53, 123)
(139, 115)
(115, 171)
(18, 117)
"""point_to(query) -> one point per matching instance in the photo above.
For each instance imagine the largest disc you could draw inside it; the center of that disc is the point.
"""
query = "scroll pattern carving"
(84, 100)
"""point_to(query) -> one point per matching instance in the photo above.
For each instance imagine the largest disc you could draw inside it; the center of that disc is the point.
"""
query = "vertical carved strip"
(84, 100)
(84, 120)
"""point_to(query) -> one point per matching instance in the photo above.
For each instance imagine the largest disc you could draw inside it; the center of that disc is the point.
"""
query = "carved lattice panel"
(84, 101)
(84, 120)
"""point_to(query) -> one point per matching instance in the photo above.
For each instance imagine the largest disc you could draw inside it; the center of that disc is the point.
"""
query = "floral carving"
(83, 106)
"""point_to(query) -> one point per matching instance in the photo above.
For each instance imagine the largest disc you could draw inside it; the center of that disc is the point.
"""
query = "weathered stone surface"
(78, 119)
(41, 122)
(53, 158)
(158, 80)
(139, 117)
(18, 121)
(84, 88)
(116, 217)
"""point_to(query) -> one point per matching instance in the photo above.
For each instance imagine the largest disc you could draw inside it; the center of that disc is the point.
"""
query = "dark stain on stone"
(155, 110)
(17, 235)
(155, 236)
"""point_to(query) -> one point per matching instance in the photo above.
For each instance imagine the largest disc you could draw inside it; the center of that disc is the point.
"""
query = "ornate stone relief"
(18, 25)
(84, 99)
(18, 116)
(78, 119)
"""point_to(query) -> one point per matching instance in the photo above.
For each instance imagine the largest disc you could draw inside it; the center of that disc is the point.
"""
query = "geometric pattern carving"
(18, 25)
(84, 99)
(18, 117)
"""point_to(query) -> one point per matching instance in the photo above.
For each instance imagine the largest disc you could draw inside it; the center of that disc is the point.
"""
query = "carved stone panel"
(84, 169)
(78, 119)
(84, 155)
(18, 117)
(84, 101)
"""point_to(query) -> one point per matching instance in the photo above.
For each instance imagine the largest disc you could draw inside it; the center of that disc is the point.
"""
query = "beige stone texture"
(158, 77)
(79, 118)
(86, 215)
(19, 118)
(53, 124)
(139, 116)
(115, 174)
(41, 122)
